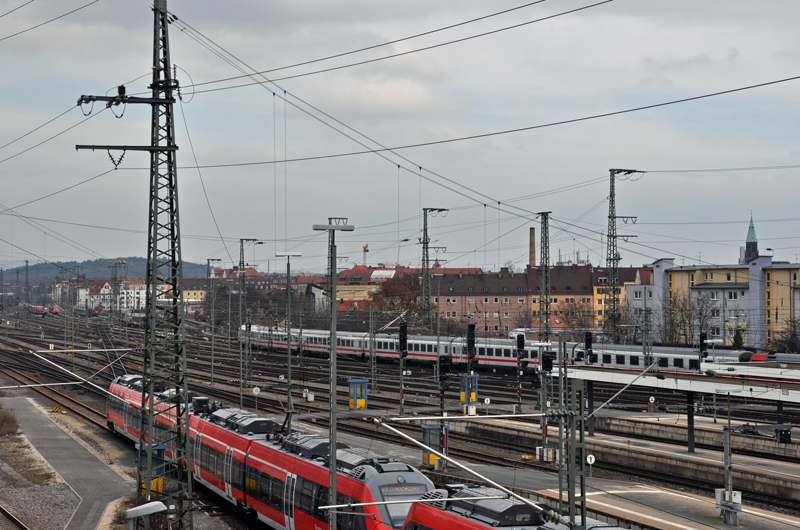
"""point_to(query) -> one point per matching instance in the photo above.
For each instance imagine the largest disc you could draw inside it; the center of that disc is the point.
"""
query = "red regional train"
(280, 479)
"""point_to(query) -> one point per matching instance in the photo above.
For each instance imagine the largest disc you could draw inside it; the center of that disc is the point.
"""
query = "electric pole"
(544, 269)
(425, 306)
(288, 326)
(247, 368)
(161, 475)
(612, 321)
(334, 224)
(213, 295)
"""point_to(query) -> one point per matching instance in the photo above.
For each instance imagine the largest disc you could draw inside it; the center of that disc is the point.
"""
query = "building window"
(731, 313)
(436, 299)
(496, 300)
(599, 312)
(670, 296)
(769, 299)
(691, 280)
(728, 277)
(569, 300)
(534, 300)
(733, 295)
(649, 294)
(715, 313)
(670, 281)
(715, 332)
(485, 300)
(637, 295)
(586, 300)
(505, 300)
(505, 289)
(469, 289)
(794, 278)
(505, 328)
(705, 276)
(470, 300)
(448, 314)
(505, 314)
(485, 289)
(554, 300)
(600, 301)
(715, 295)
(497, 328)
(520, 300)
(602, 280)
(455, 314)
(497, 314)
(768, 317)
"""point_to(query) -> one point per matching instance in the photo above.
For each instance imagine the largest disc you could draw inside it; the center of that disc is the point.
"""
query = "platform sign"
(256, 391)
(590, 461)
(652, 399)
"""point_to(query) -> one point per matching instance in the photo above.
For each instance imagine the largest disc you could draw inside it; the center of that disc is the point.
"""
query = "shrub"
(8, 422)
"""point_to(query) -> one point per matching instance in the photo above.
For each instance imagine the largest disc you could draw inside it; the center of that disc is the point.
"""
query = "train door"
(198, 445)
(228, 471)
(288, 500)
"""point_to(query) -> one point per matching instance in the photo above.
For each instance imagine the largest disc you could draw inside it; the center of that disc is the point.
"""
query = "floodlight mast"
(334, 224)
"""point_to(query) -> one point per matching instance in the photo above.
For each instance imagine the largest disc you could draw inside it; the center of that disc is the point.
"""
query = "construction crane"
(366, 249)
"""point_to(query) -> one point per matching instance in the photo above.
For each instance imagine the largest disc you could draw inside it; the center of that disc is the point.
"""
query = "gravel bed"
(46, 507)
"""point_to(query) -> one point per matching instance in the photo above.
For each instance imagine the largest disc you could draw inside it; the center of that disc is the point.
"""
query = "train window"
(490, 352)
(321, 499)
(620, 360)
(634, 360)
(606, 358)
(506, 352)
(305, 488)
(236, 476)
(481, 351)
(677, 363)
(277, 493)
(534, 355)
(663, 362)
(445, 350)
(430, 348)
(266, 488)
(694, 364)
(415, 347)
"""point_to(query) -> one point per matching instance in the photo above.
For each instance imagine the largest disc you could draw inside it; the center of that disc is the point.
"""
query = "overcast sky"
(611, 57)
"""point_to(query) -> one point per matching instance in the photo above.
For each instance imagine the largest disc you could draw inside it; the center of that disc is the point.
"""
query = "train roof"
(493, 512)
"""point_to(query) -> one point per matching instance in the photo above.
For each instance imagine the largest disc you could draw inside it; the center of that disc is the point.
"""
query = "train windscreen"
(399, 492)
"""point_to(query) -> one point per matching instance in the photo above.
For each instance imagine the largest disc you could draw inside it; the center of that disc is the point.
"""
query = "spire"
(751, 232)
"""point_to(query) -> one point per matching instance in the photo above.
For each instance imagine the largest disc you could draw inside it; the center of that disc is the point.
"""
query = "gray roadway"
(95, 483)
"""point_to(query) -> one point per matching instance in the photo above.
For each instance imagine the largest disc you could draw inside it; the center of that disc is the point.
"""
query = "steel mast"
(159, 475)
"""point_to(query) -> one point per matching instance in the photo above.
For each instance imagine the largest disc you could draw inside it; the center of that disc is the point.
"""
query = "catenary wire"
(202, 183)
(375, 46)
(20, 7)
(39, 127)
(402, 54)
(47, 22)
(15, 155)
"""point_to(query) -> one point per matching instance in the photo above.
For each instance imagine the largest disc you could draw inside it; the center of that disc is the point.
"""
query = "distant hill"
(39, 273)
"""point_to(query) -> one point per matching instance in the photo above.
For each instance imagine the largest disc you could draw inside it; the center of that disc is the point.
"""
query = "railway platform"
(93, 481)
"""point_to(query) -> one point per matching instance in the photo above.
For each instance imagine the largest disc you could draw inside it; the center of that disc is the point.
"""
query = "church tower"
(751, 243)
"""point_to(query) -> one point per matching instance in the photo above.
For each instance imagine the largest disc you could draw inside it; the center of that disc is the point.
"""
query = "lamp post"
(333, 225)
(727, 514)
(289, 404)
(210, 278)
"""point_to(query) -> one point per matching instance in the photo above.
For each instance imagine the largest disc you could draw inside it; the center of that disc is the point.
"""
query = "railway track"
(9, 522)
